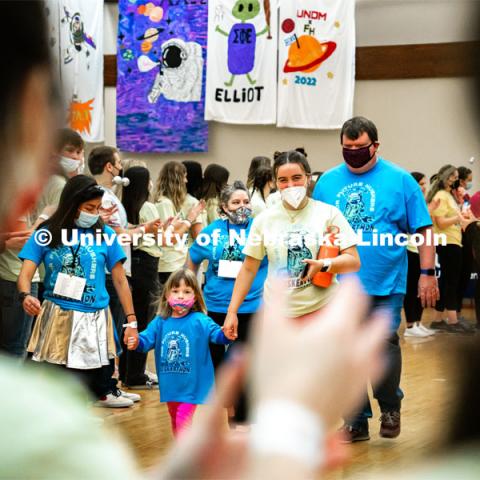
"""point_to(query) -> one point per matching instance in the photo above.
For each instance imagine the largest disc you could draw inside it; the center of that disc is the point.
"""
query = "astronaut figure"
(77, 36)
(180, 72)
(173, 352)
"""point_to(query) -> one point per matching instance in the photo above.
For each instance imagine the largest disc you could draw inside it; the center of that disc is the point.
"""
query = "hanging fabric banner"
(78, 26)
(316, 68)
(242, 59)
(161, 54)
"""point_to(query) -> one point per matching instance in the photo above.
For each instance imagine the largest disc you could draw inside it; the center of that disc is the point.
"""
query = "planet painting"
(307, 54)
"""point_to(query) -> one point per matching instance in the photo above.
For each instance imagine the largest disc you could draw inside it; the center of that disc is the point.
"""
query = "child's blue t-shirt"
(386, 199)
(218, 290)
(182, 356)
(90, 262)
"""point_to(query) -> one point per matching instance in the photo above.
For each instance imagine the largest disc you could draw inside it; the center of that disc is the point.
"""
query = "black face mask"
(357, 158)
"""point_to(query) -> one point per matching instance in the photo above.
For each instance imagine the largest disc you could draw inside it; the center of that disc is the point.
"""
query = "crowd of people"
(98, 269)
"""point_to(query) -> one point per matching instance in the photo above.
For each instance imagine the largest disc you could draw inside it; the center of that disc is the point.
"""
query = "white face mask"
(70, 165)
(123, 181)
(293, 195)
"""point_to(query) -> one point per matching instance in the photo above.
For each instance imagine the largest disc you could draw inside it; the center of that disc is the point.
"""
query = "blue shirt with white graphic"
(384, 200)
(218, 290)
(182, 356)
(89, 263)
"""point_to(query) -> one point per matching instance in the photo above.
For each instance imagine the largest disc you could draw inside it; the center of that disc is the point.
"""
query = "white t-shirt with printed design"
(287, 237)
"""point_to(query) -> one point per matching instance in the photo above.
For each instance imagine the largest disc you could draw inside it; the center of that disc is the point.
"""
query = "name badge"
(229, 269)
(69, 286)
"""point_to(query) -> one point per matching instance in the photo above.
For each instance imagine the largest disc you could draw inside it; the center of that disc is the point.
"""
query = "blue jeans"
(387, 392)
(15, 324)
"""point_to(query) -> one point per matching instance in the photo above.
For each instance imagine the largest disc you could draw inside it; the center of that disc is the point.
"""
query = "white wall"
(422, 124)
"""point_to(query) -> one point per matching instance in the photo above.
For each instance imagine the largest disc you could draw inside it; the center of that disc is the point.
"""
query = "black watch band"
(427, 271)
(23, 295)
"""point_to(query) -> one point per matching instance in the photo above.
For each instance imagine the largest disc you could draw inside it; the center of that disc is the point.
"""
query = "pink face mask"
(180, 306)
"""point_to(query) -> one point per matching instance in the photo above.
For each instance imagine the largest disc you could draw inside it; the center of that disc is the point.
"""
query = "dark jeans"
(162, 279)
(15, 324)
(468, 266)
(144, 283)
(104, 380)
(96, 380)
(387, 392)
(450, 259)
(218, 354)
(411, 303)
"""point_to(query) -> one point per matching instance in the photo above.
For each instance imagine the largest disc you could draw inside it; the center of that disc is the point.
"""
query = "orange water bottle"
(327, 250)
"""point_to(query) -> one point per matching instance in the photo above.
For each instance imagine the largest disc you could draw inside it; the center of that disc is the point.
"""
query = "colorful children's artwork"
(316, 67)
(242, 59)
(76, 38)
(161, 55)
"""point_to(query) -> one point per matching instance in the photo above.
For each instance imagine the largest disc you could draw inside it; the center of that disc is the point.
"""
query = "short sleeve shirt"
(286, 238)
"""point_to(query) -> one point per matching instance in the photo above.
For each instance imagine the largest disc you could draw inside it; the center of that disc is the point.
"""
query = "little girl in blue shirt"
(180, 335)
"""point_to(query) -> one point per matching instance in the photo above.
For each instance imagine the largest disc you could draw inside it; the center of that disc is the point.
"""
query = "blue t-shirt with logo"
(182, 355)
(386, 199)
(226, 242)
(89, 263)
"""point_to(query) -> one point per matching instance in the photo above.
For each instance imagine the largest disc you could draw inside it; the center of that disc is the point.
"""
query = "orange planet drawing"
(307, 54)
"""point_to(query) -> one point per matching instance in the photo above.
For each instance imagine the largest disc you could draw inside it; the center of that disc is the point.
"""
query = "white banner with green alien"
(242, 61)
(76, 38)
(316, 66)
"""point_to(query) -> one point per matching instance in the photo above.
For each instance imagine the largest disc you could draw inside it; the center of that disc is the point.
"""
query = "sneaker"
(148, 385)
(113, 401)
(415, 331)
(153, 377)
(390, 424)
(134, 397)
(423, 328)
(466, 324)
(441, 325)
(352, 434)
(459, 328)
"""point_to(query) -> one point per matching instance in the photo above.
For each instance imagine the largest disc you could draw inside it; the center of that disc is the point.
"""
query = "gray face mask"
(240, 215)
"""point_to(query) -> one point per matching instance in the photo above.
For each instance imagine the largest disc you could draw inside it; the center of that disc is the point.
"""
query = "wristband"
(427, 271)
(131, 325)
(22, 296)
(287, 428)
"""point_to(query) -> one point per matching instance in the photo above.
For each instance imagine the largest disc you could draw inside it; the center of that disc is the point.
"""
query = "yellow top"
(447, 208)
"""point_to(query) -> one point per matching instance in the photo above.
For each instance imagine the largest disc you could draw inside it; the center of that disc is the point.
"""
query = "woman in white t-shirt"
(262, 185)
(172, 200)
(290, 234)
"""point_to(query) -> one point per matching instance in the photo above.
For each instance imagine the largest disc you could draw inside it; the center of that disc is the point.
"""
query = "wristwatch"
(427, 271)
(22, 296)
(327, 263)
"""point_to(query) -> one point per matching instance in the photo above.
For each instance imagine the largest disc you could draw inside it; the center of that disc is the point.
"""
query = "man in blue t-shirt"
(383, 203)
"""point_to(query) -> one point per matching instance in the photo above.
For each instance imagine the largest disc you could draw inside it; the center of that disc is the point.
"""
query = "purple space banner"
(161, 76)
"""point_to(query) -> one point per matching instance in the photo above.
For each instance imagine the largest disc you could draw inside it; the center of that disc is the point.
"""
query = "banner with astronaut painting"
(160, 76)
(242, 61)
(76, 38)
(316, 67)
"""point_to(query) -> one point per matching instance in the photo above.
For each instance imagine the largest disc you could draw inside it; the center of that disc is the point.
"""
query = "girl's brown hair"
(171, 184)
(164, 309)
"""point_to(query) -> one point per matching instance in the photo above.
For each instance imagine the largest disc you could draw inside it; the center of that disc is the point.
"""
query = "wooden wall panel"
(430, 60)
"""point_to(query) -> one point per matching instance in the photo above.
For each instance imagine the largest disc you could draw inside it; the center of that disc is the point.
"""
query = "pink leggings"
(181, 416)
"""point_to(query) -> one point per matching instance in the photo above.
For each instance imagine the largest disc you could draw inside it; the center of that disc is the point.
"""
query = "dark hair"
(263, 176)
(313, 182)
(194, 178)
(463, 173)
(354, 127)
(99, 157)
(228, 191)
(292, 156)
(418, 176)
(77, 190)
(255, 164)
(66, 137)
(302, 151)
(136, 193)
(215, 178)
